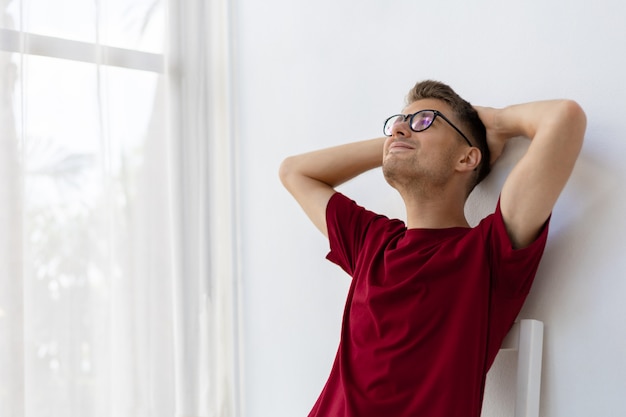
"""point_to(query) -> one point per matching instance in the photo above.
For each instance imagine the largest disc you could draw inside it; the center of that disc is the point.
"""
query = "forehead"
(428, 103)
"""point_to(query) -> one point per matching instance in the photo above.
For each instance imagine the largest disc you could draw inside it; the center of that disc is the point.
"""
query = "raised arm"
(556, 129)
(312, 177)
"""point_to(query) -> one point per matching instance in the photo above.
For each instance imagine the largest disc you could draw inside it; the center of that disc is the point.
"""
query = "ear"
(470, 160)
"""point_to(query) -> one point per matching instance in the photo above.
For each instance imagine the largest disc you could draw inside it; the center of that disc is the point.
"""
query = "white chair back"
(526, 336)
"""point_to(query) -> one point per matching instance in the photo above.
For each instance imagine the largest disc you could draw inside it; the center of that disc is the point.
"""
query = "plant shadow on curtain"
(89, 241)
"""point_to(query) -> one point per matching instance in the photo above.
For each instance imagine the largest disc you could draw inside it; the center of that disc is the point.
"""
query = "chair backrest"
(526, 336)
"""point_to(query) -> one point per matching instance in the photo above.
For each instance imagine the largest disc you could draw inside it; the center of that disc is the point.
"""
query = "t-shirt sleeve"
(513, 269)
(347, 225)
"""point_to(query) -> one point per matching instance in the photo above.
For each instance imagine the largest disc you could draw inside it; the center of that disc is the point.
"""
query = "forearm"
(558, 124)
(336, 165)
(312, 177)
(530, 118)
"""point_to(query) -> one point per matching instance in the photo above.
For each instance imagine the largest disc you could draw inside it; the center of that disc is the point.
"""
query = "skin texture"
(431, 169)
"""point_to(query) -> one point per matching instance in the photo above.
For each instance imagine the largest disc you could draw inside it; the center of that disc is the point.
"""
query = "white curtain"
(118, 211)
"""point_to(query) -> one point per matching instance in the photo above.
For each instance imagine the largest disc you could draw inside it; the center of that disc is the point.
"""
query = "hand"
(495, 138)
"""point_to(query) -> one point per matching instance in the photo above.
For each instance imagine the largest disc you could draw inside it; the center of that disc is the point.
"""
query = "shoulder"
(494, 228)
(344, 214)
(353, 230)
(342, 208)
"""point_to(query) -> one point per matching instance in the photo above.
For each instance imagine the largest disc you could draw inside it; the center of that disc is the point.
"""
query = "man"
(431, 300)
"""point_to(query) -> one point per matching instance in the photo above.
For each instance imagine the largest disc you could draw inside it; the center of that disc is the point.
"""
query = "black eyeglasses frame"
(437, 113)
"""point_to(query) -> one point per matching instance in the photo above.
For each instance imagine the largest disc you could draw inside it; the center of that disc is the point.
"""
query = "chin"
(394, 174)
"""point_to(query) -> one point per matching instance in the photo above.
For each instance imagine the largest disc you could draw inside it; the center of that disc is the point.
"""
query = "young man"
(431, 300)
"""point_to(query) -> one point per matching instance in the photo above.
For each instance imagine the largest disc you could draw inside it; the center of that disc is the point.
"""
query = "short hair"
(464, 112)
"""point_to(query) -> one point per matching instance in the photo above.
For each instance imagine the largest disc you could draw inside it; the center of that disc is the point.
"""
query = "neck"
(437, 210)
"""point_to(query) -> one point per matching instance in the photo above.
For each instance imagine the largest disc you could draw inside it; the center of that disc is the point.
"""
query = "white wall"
(319, 73)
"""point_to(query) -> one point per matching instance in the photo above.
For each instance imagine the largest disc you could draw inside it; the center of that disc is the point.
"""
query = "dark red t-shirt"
(426, 313)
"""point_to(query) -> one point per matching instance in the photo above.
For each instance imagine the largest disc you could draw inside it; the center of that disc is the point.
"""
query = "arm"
(312, 177)
(556, 129)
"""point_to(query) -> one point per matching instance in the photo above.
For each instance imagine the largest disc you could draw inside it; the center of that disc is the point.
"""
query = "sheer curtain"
(118, 211)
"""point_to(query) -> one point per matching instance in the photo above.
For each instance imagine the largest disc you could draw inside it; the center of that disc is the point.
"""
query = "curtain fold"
(118, 260)
(208, 378)
(11, 286)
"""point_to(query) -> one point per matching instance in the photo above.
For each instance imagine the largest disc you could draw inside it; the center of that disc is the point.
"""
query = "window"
(108, 286)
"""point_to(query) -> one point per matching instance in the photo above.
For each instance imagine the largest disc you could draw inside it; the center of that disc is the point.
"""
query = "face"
(426, 158)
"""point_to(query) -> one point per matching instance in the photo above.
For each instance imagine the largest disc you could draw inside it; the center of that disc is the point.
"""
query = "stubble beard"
(410, 177)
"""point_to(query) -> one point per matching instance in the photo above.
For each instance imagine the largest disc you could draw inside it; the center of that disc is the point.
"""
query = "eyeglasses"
(419, 122)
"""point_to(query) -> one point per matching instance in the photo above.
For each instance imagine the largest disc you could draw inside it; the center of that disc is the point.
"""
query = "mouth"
(398, 146)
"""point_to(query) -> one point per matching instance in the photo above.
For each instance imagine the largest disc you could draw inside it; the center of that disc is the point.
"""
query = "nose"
(401, 128)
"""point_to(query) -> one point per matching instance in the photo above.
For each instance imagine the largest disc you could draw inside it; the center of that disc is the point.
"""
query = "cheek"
(386, 144)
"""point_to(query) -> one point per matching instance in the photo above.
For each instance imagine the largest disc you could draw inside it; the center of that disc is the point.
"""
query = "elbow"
(570, 123)
(286, 170)
(574, 110)
(575, 118)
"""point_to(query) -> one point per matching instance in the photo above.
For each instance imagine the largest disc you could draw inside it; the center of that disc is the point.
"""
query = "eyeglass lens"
(419, 121)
